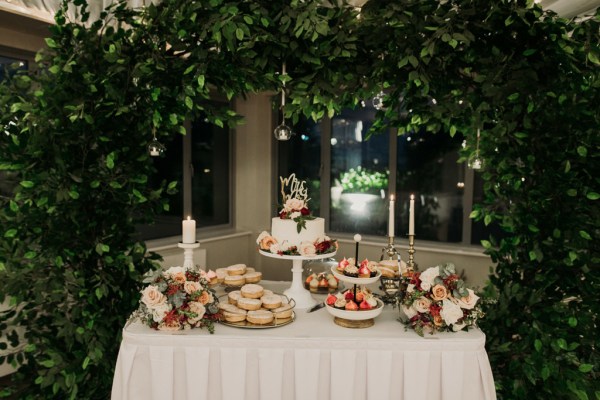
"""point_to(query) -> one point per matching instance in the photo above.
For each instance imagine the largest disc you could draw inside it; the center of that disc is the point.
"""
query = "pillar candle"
(391, 218)
(188, 227)
(411, 218)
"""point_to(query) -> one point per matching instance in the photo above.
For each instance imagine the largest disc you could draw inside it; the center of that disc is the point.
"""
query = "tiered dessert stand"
(296, 291)
(360, 318)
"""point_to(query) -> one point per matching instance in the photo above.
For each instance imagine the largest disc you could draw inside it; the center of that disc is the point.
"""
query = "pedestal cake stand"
(301, 296)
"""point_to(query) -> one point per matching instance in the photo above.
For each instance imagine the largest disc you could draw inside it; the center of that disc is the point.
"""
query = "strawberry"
(349, 295)
(365, 306)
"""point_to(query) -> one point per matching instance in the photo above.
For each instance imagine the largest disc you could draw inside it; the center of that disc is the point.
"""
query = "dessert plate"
(359, 315)
(357, 281)
(276, 323)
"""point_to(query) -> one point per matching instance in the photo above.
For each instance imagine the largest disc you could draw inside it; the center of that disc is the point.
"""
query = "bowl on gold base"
(355, 319)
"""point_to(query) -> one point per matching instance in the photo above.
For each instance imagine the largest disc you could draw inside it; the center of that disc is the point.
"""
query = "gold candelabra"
(411, 252)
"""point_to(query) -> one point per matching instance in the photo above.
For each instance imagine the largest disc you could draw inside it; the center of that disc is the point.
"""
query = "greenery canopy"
(76, 134)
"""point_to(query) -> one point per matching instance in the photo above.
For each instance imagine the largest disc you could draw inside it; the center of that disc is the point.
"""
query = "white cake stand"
(297, 291)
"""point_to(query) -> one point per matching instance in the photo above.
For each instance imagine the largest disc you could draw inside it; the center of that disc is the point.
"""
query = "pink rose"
(307, 249)
(152, 297)
(422, 304)
(439, 292)
(293, 205)
(191, 287)
(467, 302)
(198, 309)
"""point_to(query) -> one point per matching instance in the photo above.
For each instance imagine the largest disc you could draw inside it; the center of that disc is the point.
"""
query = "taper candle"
(411, 215)
(188, 227)
(391, 218)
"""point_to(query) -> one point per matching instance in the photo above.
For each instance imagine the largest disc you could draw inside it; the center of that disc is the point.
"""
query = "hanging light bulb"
(155, 148)
(475, 161)
(378, 100)
(282, 131)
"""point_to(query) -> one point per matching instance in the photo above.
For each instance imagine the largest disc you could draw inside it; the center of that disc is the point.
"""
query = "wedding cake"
(295, 231)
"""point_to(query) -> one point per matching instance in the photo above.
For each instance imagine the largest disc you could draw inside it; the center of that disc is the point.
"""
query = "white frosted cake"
(295, 231)
(285, 230)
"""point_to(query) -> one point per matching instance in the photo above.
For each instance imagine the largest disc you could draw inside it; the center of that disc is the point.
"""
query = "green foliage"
(77, 133)
(362, 180)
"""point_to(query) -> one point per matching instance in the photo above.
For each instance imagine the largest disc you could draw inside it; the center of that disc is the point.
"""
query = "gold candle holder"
(389, 252)
(411, 252)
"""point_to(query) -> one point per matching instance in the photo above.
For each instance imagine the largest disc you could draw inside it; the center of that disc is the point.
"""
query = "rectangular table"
(311, 358)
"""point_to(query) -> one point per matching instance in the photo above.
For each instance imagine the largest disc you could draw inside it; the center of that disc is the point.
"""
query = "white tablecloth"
(311, 358)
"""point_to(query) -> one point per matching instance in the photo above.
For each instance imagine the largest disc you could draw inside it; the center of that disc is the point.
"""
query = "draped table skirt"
(311, 358)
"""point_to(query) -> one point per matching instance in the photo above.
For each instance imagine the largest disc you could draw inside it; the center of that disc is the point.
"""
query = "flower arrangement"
(177, 299)
(437, 300)
(296, 210)
(322, 245)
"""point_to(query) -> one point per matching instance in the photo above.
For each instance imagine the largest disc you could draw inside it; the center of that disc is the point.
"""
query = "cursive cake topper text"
(297, 189)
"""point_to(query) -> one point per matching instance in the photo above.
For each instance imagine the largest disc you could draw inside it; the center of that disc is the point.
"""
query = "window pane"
(428, 169)
(302, 155)
(168, 169)
(211, 179)
(359, 175)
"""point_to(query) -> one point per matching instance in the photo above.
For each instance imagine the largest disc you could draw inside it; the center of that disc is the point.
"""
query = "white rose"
(322, 239)
(152, 297)
(284, 246)
(159, 312)
(307, 249)
(458, 327)
(293, 205)
(275, 248)
(262, 235)
(467, 302)
(295, 215)
(410, 288)
(197, 308)
(450, 312)
(427, 277)
(422, 304)
(191, 287)
(409, 311)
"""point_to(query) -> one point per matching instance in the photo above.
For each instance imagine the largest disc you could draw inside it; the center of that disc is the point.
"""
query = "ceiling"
(41, 11)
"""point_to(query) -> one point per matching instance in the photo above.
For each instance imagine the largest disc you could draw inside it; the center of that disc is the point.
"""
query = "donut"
(234, 280)
(234, 316)
(260, 317)
(283, 312)
(249, 304)
(236, 269)
(253, 277)
(271, 301)
(234, 296)
(252, 291)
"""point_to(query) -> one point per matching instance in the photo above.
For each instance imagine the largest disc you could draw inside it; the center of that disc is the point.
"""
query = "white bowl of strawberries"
(353, 307)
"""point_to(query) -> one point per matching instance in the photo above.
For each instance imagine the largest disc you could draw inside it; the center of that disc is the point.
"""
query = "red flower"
(305, 211)
(282, 215)
(323, 246)
(172, 289)
(435, 309)
(171, 316)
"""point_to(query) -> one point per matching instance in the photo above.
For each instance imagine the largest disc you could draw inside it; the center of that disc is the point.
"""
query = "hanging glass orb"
(283, 132)
(378, 100)
(156, 148)
(475, 162)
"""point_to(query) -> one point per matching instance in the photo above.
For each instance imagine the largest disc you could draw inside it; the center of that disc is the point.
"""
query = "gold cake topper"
(297, 189)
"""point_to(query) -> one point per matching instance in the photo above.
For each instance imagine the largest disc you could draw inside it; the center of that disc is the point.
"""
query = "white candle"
(411, 215)
(391, 218)
(188, 227)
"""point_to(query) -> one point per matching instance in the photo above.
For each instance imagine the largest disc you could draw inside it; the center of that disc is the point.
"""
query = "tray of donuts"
(235, 276)
(254, 307)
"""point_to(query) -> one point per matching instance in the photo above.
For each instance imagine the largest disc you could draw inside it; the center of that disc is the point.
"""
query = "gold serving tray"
(276, 323)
